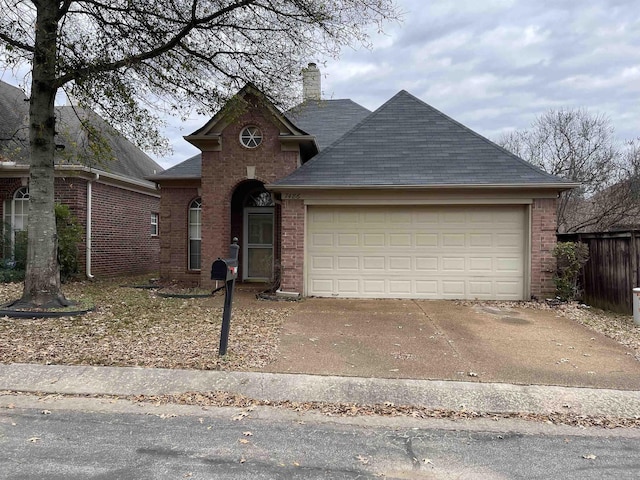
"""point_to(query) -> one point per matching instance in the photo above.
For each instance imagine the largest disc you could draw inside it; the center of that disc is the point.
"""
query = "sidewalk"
(433, 394)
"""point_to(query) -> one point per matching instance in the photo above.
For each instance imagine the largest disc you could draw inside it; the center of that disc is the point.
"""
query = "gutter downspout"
(88, 228)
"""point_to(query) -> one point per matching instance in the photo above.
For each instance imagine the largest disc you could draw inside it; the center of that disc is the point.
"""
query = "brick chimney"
(311, 83)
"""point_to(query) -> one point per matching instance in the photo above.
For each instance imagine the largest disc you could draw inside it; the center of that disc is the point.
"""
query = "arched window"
(258, 197)
(195, 234)
(16, 216)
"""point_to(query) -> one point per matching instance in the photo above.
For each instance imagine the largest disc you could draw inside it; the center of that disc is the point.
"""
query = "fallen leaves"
(146, 330)
(226, 399)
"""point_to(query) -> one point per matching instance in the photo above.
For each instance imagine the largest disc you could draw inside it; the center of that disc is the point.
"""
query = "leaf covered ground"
(141, 327)
(618, 326)
(137, 327)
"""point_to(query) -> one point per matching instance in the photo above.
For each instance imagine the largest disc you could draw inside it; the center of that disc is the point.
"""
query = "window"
(195, 234)
(251, 137)
(154, 224)
(258, 197)
(16, 215)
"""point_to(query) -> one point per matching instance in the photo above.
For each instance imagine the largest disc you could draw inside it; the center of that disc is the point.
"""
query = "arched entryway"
(253, 222)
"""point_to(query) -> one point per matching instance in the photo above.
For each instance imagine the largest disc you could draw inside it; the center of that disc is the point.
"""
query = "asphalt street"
(83, 438)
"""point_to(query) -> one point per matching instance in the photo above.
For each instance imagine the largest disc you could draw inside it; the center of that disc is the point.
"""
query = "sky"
(493, 65)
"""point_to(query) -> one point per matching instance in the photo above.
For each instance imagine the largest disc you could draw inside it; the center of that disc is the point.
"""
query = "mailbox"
(226, 269)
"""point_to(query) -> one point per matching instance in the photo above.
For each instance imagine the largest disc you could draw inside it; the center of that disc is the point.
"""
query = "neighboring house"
(336, 201)
(101, 179)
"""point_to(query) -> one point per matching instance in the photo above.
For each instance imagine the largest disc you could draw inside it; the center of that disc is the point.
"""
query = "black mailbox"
(226, 269)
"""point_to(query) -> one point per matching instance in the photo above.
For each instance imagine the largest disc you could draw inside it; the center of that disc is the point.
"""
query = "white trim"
(422, 201)
(88, 229)
(189, 239)
(455, 186)
(155, 216)
(528, 253)
(305, 264)
(127, 183)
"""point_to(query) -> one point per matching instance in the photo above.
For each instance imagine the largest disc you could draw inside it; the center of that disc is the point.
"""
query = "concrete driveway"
(443, 340)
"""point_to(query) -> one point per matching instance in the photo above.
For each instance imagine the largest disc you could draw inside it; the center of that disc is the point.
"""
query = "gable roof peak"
(408, 143)
(236, 105)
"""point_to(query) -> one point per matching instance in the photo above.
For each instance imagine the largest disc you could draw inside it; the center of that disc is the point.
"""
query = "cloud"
(496, 65)
(493, 65)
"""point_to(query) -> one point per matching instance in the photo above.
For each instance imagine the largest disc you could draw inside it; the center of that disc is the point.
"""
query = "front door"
(258, 246)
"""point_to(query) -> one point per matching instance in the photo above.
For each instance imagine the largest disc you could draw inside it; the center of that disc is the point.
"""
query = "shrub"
(570, 258)
(15, 256)
(69, 235)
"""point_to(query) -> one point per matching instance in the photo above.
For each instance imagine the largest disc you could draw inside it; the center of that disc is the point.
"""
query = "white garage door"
(416, 252)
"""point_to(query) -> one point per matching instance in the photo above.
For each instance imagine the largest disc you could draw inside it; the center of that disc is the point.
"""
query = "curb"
(432, 394)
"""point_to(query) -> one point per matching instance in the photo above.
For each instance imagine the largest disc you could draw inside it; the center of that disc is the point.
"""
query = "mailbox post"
(226, 270)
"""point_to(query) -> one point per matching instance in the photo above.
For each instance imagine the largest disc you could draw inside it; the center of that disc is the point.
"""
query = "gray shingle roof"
(327, 120)
(128, 160)
(124, 157)
(14, 109)
(406, 142)
(189, 169)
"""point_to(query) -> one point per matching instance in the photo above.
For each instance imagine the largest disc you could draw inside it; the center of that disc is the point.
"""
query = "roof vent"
(311, 83)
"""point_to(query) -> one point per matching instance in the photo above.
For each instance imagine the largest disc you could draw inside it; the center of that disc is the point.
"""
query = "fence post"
(633, 252)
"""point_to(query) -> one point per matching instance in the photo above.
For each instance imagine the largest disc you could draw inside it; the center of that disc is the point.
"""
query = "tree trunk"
(42, 287)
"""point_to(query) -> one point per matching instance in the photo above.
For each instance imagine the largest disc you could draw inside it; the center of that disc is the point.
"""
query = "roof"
(122, 157)
(189, 169)
(14, 109)
(327, 120)
(407, 143)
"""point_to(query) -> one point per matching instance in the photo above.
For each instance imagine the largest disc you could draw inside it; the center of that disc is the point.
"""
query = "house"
(100, 177)
(336, 201)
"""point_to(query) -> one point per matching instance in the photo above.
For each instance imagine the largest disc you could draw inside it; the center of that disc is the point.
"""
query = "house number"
(291, 196)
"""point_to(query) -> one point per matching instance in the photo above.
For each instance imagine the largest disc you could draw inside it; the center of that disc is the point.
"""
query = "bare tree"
(127, 59)
(581, 147)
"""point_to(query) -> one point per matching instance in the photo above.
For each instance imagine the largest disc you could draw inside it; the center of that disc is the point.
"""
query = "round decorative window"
(251, 137)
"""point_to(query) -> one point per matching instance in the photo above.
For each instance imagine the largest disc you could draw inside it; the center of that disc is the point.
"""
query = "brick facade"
(226, 170)
(174, 228)
(223, 172)
(543, 240)
(121, 224)
(293, 225)
(121, 230)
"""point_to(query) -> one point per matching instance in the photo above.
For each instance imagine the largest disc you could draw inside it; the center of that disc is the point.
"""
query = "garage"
(417, 251)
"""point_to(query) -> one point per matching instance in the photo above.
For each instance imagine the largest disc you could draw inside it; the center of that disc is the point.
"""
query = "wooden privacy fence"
(611, 273)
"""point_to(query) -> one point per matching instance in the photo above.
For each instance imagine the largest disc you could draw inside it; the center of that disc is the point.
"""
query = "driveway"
(443, 340)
